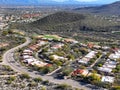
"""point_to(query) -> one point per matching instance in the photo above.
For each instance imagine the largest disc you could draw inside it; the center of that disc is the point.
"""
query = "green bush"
(63, 87)
(38, 79)
(25, 75)
(12, 78)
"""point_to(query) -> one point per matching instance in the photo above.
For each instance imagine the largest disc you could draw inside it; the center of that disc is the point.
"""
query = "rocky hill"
(69, 23)
(72, 22)
(59, 18)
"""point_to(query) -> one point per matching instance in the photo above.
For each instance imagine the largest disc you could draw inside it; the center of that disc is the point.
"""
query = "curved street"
(9, 60)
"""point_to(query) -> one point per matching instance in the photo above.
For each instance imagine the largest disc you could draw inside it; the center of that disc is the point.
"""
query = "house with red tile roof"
(80, 72)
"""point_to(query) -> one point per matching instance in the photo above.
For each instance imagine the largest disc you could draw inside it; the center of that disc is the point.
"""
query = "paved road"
(9, 60)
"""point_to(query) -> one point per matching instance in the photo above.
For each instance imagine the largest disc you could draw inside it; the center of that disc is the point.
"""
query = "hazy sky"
(75, 0)
(98, 1)
(56, 1)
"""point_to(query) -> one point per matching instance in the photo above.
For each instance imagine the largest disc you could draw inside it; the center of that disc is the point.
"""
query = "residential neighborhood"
(77, 60)
(59, 45)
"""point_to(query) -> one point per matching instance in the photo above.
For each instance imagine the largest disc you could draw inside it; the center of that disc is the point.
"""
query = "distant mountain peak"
(109, 9)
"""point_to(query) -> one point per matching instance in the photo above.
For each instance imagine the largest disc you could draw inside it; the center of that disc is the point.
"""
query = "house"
(70, 40)
(87, 58)
(38, 63)
(1, 18)
(57, 46)
(27, 51)
(108, 66)
(34, 47)
(82, 44)
(80, 72)
(111, 62)
(29, 60)
(90, 45)
(3, 45)
(26, 56)
(48, 65)
(107, 79)
(115, 49)
(115, 55)
(105, 48)
(56, 57)
(105, 69)
(84, 60)
(41, 42)
(97, 46)
(3, 25)
(91, 54)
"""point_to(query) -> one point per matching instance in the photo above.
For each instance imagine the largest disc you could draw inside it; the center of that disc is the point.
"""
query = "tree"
(38, 79)
(60, 53)
(0, 58)
(70, 57)
(116, 88)
(2, 49)
(8, 68)
(100, 65)
(47, 69)
(94, 78)
(59, 63)
(20, 50)
(82, 67)
(51, 58)
(25, 75)
(12, 78)
(83, 51)
(4, 33)
(46, 82)
(98, 54)
(66, 71)
(32, 84)
(118, 68)
(104, 85)
(43, 88)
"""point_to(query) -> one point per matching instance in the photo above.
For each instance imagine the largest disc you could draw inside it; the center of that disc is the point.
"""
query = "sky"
(56, 1)
(76, 0)
(87, 1)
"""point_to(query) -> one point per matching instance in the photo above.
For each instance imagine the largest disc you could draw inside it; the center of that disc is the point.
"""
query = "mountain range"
(109, 9)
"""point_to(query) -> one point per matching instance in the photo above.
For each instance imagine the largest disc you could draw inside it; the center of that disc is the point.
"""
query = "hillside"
(72, 22)
(59, 17)
(109, 9)
(60, 22)
(86, 27)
